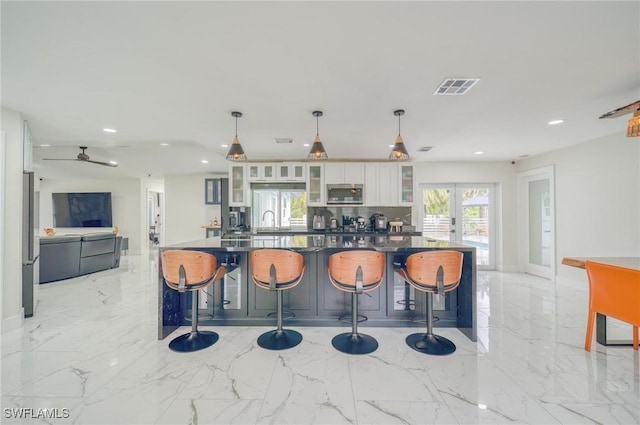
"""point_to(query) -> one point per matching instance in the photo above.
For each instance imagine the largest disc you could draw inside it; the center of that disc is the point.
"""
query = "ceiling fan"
(633, 125)
(82, 157)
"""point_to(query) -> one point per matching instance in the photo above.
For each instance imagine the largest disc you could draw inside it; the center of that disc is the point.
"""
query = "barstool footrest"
(347, 318)
(286, 314)
(350, 343)
(431, 344)
(279, 339)
(193, 341)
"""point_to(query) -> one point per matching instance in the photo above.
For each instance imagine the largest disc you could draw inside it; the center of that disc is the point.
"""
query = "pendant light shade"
(399, 151)
(633, 125)
(317, 151)
(236, 153)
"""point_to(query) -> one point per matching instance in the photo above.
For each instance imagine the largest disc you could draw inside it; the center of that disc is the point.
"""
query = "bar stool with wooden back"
(432, 272)
(355, 272)
(191, 271)
(277, 270)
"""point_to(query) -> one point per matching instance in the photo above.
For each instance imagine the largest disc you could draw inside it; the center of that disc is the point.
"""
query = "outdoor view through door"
(279, 206)
(460, 214)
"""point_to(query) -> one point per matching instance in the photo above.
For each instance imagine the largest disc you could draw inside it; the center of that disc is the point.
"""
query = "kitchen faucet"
(273, 219)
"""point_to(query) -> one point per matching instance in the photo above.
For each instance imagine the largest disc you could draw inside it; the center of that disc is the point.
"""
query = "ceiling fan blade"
(108, 164)
(632, 107)
(60, 159)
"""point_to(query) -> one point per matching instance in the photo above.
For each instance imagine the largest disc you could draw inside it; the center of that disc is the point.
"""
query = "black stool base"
(430, 344)
(354, 344)
(279, 340)
(193, 341)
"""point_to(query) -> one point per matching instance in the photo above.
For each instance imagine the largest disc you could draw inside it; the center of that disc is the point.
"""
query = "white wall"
(11, 124)
(185, 209)
(597, 193)
(503, 175)
(125, 201)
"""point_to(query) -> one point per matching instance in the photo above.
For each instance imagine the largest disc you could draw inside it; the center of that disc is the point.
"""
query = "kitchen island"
(236, 301)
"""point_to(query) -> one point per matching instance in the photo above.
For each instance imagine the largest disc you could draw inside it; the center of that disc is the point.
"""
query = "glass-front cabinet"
(261, 172)
(315, 185)
(291, 171)
(237, 186)
(406, 185)
(212, 192)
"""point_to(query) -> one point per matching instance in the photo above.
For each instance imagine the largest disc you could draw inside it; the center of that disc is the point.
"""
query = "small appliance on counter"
(318, 222)
(361, 224)
(395, 225)
(379, 222)
(333, 223)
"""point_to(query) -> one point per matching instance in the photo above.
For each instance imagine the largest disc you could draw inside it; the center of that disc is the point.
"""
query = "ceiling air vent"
(455, 86)
(424, 148)
(284, 140)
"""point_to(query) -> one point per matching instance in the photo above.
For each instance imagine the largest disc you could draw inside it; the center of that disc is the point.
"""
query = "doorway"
(537, 224)
(461, 214)
(155, 203)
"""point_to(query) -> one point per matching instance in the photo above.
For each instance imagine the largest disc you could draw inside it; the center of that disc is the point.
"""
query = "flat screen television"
(82, 209)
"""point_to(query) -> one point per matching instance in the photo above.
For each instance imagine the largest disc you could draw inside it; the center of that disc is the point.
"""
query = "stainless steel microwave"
(345, 194)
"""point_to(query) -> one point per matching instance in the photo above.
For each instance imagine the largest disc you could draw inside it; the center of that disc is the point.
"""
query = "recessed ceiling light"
(113, 162)
(109, 130)
(225, 146)
(482, 406)
(45, 146)
(306, 145)
(391, 146)
(204, 161)
(478, 153)
(555, 122)
(164, 144)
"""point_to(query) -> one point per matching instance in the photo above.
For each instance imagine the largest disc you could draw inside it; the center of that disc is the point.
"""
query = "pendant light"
(633, 125)
(236, 153)
(399, 151)
(317, 151)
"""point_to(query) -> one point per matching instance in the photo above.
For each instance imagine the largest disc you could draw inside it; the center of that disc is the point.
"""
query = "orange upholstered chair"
(614, 292)
(185, 270)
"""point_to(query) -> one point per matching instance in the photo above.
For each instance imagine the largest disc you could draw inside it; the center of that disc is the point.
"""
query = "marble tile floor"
(91, 352)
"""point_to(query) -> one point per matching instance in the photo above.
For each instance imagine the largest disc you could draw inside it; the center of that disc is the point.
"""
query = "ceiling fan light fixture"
(317, 152)
(399, 150)
(236, 153)
(633, 125)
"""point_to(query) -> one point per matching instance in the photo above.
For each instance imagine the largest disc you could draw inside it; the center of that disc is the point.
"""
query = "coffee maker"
(236, 221)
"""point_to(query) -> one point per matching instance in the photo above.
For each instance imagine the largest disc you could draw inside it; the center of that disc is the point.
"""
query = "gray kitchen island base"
(235, 300)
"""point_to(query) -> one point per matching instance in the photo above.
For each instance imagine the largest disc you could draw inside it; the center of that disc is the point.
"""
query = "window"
(279, 206)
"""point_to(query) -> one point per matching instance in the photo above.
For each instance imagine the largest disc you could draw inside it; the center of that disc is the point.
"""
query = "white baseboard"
(12, 323)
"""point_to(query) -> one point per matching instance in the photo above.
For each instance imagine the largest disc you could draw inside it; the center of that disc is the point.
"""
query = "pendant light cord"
(317, 119)
(398, 124)
(236, 126)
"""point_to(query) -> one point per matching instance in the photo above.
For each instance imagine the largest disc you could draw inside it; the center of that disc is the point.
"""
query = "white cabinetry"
(381, 184)
(291, 172)
(238, 186)
(405, 173)
(259, 172)
(315, 185)
(344, 172)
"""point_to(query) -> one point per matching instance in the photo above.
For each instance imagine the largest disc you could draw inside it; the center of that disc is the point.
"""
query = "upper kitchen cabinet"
(238, 185)
(405, 173)
(291, 172)
(344, 173)
(212, 192)
(315, 185)
(381, 184)
(261, 172)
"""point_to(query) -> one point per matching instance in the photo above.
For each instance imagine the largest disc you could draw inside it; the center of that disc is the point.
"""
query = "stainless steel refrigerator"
(30, 243)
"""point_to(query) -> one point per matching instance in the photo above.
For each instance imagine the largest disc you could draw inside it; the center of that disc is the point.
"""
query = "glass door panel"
(475, 222)
(437, 222)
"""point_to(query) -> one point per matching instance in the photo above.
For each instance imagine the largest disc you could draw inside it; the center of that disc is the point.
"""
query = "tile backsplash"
(403, 213)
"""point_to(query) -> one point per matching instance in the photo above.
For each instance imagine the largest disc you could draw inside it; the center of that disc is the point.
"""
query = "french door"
(537, 227)
(461, 214)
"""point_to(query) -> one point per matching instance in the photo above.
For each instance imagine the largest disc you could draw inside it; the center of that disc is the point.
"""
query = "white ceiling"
(173, 72)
